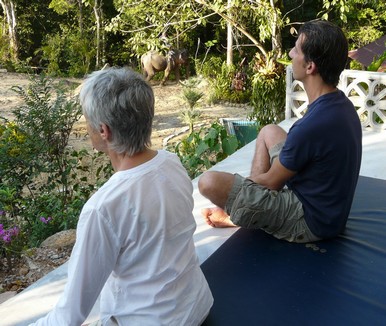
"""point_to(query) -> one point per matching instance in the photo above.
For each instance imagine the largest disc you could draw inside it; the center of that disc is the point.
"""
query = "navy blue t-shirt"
(325, 149)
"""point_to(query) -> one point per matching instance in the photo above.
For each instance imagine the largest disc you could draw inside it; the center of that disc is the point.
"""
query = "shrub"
(204, 148)
(268, 98)
(191, 95)
(44, 183)
(221, 79)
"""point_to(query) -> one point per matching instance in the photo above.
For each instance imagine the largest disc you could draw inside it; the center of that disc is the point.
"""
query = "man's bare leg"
(269, 136)
(216, 186)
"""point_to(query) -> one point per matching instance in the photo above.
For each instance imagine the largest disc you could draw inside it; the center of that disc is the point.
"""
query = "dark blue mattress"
(258, 280)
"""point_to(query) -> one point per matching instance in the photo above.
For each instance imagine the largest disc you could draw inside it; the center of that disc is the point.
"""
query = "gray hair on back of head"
(121, 99)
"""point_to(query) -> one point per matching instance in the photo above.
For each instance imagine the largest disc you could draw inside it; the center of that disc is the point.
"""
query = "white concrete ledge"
(40, 298)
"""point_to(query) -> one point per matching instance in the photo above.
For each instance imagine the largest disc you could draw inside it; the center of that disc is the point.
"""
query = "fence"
(367, 91)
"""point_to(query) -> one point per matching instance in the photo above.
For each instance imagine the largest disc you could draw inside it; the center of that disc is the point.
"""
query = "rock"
(23, 271)
(6, 295)
(60, 240)
(31, 264)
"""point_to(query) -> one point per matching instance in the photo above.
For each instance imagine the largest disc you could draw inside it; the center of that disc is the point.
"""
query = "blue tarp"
(259, 280)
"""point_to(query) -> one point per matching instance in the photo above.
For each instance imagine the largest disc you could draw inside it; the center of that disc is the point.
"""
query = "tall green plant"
(191, 95)
(220, 77)
(268, 93)
(50, 182)
(68, 53)
(204, 148)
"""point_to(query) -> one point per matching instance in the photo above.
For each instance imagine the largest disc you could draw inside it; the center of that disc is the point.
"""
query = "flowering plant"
(6, 235)
(9, 240)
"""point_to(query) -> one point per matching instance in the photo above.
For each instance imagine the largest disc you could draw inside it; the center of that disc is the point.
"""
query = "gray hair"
(124, 101)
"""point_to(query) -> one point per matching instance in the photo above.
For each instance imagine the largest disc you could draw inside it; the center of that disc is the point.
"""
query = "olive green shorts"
(279, 213)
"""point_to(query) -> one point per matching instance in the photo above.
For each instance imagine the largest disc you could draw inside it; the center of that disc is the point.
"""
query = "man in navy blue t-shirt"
(302, 183)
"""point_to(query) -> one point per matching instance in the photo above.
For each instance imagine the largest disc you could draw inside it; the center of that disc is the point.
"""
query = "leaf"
(230, 145)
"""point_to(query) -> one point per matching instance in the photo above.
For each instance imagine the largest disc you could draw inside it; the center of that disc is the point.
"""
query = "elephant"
(153, 62)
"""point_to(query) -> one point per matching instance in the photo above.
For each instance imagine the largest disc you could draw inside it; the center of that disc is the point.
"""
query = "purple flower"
(2, 213)
(45, 220)
(14, 231)
(7, 238)
(7, 235)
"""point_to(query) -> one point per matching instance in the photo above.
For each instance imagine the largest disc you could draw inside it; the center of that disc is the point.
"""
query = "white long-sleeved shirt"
(135, 246)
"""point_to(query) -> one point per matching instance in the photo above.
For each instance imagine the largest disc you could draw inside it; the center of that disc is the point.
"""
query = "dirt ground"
(167, 128)
(168, 105)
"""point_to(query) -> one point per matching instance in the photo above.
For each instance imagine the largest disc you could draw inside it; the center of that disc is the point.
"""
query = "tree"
(9, 12)
(98, 12)
(97, 6)
(265, 14)
(362, 20)
(143, 22)
(83, 35)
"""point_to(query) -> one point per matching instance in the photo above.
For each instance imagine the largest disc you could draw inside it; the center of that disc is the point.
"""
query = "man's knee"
(205, 183)
(271, 130)
(272, 135)
(215, 183)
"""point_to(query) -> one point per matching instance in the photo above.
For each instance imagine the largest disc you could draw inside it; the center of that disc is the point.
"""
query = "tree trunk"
(9, 12)
(98, 22)
(80, 5)
(229, 37)
(235, 25)
(276, 35)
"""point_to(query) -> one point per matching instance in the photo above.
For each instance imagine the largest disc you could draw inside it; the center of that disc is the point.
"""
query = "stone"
(6, 295)
(23, 271)
(61, 239)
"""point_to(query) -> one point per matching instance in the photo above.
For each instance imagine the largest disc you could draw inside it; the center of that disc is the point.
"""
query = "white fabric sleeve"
(91, 262)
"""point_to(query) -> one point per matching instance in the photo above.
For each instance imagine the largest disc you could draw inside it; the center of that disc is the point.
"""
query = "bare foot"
(216, 217)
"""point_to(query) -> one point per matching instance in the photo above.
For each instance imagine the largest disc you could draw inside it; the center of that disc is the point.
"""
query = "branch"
(168, 24)
(258, 44)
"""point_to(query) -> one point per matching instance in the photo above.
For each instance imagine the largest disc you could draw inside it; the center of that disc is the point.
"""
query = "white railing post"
(367, 91)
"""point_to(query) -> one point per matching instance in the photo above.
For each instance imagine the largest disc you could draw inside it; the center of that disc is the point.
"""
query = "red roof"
(369, 52)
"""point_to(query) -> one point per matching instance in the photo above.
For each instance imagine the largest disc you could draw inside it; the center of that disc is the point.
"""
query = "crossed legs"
(216, 186)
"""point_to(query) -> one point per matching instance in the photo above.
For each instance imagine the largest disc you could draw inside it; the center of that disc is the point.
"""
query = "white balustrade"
(367, 91)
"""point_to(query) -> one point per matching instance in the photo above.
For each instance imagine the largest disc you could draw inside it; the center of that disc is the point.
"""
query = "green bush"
(68, 53)
(204, 148)
(268, 98)
(191, 95)
(44, 183)
(221, 78)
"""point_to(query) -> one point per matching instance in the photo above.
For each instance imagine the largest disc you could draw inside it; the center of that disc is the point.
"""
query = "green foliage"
(68, 53)
(52, 53)
(377, 62)
(211, 67)
(11, 237)
(4, 47)
(355, 65)
(363, 21)
(144, 22)
(45, 183)
(204, 148)
(80, 54)
(220, 77)
(341, 7)
(191, 95)
(268, 98)
(60, 6)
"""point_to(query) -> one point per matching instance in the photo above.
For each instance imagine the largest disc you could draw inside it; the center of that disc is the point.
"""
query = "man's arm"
(276, 177)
